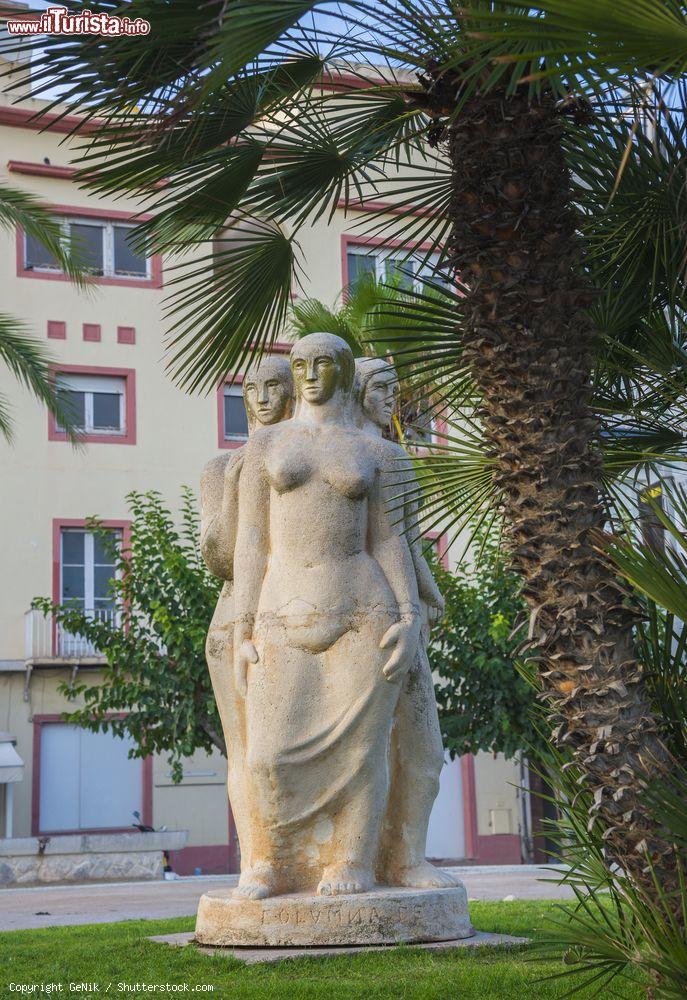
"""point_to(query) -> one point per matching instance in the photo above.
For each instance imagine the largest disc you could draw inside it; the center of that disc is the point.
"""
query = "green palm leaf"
(659, 573)
(232, 303)
(19, 209)
(570, 41)
(29, 363)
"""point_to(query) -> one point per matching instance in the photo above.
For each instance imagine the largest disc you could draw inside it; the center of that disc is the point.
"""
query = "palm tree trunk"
(529, 346)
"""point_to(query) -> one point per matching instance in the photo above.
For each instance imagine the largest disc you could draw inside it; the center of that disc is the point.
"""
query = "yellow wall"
(176, 435)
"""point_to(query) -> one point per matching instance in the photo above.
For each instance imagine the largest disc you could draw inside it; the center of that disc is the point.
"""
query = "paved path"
(63, 905)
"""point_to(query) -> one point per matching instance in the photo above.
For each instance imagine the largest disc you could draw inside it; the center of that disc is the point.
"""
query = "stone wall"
(86, 857)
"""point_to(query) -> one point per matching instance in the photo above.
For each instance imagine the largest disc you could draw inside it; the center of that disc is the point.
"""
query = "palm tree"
(511, 139)
(24, 356)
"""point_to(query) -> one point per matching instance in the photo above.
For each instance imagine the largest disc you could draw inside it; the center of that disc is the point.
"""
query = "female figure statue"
(417, 753)
(326, 625)
(268, 398)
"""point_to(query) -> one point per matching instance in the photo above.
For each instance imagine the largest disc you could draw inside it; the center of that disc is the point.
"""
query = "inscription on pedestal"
(383, 916)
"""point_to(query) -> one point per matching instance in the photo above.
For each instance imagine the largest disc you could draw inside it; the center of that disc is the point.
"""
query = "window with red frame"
(393, 266)
(88, 781)
(105, 248)
(234, 412)
(95, 403)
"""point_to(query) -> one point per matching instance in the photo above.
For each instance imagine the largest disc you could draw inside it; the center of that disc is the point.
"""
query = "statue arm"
(426, 584)
(250, 558)
(391, 550)
(218, 513)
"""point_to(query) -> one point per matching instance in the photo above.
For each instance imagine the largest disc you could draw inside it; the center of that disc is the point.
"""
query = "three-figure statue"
(318, 646)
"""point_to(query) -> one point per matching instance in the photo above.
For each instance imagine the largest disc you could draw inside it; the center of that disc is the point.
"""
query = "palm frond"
(575, 43)
(230, 303)
(660, 573)
(25, 211)
(28, 362)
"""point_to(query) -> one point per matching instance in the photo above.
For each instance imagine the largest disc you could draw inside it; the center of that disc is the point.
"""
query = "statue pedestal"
(385, 915)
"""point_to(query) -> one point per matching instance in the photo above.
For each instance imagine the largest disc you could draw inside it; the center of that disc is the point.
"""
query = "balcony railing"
(47, 639)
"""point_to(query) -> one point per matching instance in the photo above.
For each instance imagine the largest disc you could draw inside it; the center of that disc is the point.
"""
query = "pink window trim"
(146, 791)
(40, 169)
(126, 334)
(129, 407)
(57, 329)
(92, 332)
(441, 541)
(64, 124)
(385, 206)
(351, 240)
(280, 347)
(467, 770)
(111, 215)
(58, 523)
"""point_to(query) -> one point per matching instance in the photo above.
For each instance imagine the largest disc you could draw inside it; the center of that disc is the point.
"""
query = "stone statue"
(268, 398)
(327, 636)
(417, 752)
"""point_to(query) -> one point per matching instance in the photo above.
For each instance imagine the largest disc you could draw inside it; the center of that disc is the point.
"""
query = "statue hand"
(247, 654)
(404, 637)
(436, 609)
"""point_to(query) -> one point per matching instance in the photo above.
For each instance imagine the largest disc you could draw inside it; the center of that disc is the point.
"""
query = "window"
(87, 781)
(96, 403)
(87, 567)
(38, 255)
(392, 266)
(235, 419)
(105, 249)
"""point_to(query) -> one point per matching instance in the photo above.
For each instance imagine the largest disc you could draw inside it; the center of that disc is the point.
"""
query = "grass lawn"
(120, 954)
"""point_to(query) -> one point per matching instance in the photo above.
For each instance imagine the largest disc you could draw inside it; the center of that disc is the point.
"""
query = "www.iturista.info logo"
(57, 21)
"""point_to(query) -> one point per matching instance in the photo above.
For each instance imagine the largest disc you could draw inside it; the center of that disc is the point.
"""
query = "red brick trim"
(499, 849)
(212, 859)
(147, 807)
(386, 206)
(129, 437)
(43, 121)
(467, 770)
(146, 785)
(57, 329)
(40, 169)
(126, 334)
(92, 332)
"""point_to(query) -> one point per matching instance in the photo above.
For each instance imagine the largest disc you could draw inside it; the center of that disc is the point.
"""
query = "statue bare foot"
(338, 880)
(425, 876)
(257, 882)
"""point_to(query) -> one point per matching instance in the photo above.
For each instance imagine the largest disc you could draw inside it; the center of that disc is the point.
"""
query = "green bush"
(484, 703)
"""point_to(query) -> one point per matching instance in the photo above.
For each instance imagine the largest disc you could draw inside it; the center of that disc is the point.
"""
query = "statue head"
(322, 365)
(268, 392)
(376, 390)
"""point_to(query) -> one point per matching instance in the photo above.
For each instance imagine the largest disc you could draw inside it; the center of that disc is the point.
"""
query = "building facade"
(141, 433)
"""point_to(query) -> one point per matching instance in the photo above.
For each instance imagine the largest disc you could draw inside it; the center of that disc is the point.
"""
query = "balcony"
(48, 640)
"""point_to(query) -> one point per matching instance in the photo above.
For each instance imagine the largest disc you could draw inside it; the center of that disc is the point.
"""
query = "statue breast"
(340, 463)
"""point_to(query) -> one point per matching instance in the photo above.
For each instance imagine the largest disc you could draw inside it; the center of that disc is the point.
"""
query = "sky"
(324, 21)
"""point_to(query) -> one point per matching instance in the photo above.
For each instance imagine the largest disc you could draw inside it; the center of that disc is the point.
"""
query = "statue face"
(380, 398)
(267, 396)
(317, 376)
